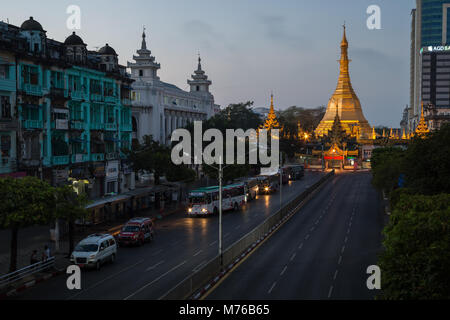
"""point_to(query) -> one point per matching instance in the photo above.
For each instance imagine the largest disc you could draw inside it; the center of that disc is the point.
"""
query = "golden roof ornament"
(271, 121)
(422, 127)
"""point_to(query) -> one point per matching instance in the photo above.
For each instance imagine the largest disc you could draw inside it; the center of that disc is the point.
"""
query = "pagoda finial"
(422, 127)
(344, 41)
(199, 67)
(144, 44)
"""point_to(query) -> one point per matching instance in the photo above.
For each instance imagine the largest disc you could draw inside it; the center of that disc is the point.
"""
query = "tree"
(70, 206)
(415, 262)
(24, 202)
(387, 165)
(150, 156)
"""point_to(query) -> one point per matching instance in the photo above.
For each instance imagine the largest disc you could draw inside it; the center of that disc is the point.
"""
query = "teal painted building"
(72, 110)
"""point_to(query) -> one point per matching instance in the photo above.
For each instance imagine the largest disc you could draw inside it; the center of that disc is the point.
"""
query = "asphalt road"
(181, 246)
(322, 252)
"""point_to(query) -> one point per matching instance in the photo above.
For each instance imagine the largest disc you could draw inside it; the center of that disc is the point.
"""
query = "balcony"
(126, 127)
(32, 89)
(126, 102)
(7, 84)
(96, 126)
(60, 160)
(111, 126)
(79, 157)
(32, 124)
(110, 99)
(97, 156)
(96, 97)
(78, 95)
(60, 124)
(59, 93)
(111, 156)
(77, 125)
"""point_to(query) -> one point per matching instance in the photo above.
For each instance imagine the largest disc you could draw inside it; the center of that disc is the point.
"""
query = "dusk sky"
(252, 47)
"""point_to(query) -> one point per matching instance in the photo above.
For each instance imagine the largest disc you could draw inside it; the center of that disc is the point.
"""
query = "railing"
(32, 89)
(110, 99)
(60, 160)
(59, 92)
(32, 124)
(110, 126)
(126, 102)
(97, 156)
(125, 127)
(78, 95)
(12, 277)
(111, 156)
(80, 157)
(75, 124)
(96, 97)
(60, 124)
(96, 126)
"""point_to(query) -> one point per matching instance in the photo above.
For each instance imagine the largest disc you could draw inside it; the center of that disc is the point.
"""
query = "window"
(141, 73)
(4, 72)
(5, 107)
(5, 145)
(198, 88)
(110, 187)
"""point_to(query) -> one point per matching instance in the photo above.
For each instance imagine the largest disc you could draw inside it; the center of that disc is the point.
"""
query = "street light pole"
(220, 212)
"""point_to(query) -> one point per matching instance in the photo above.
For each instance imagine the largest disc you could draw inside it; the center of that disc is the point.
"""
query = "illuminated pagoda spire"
(422, 128)
(374, 135)
(403, 135)
(271, 121)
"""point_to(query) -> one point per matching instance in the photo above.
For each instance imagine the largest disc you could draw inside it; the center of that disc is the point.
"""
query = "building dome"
(31, 25)
(73, 39)
(107, 50)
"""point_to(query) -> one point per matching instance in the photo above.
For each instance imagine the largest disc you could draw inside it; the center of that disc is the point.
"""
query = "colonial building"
(158, 107)
(345, 103)
(66, 108)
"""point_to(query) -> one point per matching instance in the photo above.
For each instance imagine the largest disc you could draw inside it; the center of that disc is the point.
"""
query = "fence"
(12, 277)
(198, 279)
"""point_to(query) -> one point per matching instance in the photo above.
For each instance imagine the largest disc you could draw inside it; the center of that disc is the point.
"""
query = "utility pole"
(220, 213)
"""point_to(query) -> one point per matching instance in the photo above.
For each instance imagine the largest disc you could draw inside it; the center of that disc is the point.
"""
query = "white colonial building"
(158, 107)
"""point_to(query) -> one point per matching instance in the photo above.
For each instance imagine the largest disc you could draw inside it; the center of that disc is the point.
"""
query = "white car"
(94, 250)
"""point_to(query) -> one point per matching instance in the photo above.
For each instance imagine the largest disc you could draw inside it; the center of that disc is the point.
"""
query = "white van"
(94, 250)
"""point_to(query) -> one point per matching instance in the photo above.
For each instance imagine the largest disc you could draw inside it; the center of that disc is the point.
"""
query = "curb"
(30, 284)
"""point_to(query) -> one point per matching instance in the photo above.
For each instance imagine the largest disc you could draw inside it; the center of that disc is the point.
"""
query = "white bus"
(205, 201)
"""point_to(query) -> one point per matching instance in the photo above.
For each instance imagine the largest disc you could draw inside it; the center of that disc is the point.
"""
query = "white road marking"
(213, 243)
(157, 279)
(293, 256)
(196, 254)
(226, 235)
(312, 229)
(237, 227)
(335, 274)
(346, 238)
(343, 248)
(307, 236)
(107, 278)
(301, 245)
(157, 252)
(271, 288)
(199, 266)
(329, 292)
(153, 267)
(284, 270)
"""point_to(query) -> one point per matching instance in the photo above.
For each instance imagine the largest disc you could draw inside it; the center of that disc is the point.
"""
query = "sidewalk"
(37, 237)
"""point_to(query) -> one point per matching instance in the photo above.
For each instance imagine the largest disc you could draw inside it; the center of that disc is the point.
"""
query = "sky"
(250, 48)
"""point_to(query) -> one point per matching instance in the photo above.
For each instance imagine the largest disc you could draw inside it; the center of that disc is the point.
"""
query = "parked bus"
(205, 201)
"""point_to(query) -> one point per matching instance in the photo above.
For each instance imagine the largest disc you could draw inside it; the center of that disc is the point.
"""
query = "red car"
(136, 231)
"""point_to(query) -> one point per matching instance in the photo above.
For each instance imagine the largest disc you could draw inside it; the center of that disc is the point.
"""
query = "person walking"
(46, 253)
(34, 257)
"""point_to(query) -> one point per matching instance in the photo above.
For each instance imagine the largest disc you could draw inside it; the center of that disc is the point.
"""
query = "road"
(181, 246)
(322, 252)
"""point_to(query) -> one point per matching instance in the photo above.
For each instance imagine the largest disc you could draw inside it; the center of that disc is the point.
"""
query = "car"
(297, 172)
(136, 231)
(94, 250)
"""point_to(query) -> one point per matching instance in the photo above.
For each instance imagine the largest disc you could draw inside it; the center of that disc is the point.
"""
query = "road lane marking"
(312, 229)
(154, 266)
(107, 278)
(271, 288)
(343, 248)
(237, 227)
(293, 256)
(300, 246)
(155, 280)
(226, 235)
(213, 243)
(307, 236)
(335, 274)
(200, 251)
(199, 266)
(284, 270)
(157, 252)
(346, 238)
(329, 292)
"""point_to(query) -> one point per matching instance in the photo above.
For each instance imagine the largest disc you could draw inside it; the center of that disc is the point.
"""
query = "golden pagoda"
(346, 103)
(422, 128)
(374, 135)
(271, 121)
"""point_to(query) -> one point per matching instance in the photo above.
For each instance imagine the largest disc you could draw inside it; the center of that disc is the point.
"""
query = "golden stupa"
(271, 121)
(345, 102)
(422, 127)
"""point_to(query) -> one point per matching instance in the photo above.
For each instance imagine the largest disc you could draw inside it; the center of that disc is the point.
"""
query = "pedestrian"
(34, 258)
(46, 253)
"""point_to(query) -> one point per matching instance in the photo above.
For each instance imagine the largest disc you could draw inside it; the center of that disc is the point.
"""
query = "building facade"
(158, 107)
(69, 110)
(429, 68)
